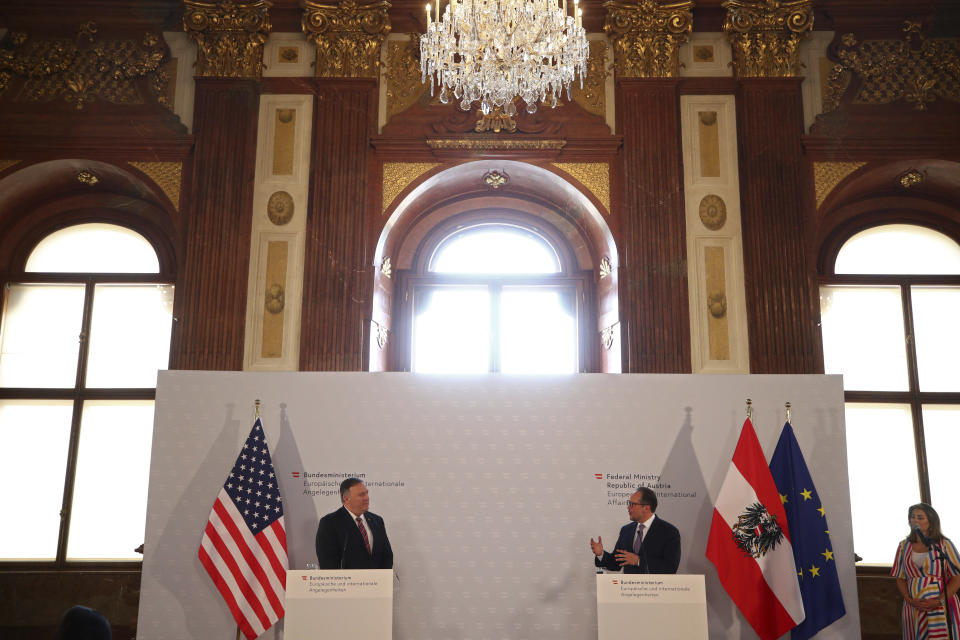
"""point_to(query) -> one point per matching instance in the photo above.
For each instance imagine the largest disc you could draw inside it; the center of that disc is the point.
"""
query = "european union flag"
(810, 537)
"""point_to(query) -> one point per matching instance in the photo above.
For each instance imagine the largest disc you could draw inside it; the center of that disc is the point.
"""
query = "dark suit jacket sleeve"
(386, 555)
(624, 541)
(329, 545)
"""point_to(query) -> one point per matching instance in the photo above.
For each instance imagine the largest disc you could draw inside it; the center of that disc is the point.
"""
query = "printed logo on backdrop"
(323, 484)
(620, 486)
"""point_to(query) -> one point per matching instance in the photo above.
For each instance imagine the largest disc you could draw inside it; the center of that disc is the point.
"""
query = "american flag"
(244, 545)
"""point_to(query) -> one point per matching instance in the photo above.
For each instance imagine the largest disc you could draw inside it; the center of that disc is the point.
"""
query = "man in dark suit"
(647, 545)
(352, 537)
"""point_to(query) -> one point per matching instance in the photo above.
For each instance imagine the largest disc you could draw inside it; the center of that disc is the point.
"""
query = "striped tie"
(638, 538)
(363, 532)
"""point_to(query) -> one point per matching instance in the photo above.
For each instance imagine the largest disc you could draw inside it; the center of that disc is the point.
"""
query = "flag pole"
(256, 408)
(787, 405)
(749, 409)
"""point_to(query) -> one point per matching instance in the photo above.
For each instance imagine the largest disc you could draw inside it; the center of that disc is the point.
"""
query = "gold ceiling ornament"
(607, 335)
(274, 299)
(404, 88)
(492, 143)
(397, 176)
(916, 69)
(647, 37)
(605, 267)
(496, 179)
(717, 304)
(6, 164)
(765, 36)
(827, 175)
(229, 36)
(385, 267)
(167, 176)
(713, 212)
(84, 68)
(348, 37)
(911, 178)
(595, 176)
(280, 208)
(87, 177)
(495, 121)
(593, 95)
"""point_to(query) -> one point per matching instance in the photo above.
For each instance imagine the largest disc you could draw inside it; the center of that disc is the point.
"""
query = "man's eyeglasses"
(638, 504)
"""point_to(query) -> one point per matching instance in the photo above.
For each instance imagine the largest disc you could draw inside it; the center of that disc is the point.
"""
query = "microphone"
(924, 539)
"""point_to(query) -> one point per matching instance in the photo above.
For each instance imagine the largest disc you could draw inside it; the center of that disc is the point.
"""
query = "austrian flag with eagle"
(749, 543)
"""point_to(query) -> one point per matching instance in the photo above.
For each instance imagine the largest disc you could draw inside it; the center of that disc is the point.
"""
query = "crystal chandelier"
(496, 50)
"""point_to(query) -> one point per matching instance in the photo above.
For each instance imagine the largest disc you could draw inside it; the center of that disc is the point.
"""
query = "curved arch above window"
(494, 248)
(94, 248)
(899, 249)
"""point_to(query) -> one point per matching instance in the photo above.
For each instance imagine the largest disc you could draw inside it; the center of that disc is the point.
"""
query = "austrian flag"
(749, 543)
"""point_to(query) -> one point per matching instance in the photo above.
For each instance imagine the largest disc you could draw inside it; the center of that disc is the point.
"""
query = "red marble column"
(338, 274)
(654, 310)
(775, 196)
(211, 313)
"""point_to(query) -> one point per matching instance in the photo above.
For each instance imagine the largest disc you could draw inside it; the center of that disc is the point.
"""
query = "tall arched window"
(889, 313)
(493, 296)
(85, 327)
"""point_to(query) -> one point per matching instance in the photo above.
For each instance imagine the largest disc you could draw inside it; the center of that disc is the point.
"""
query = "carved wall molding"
(398, 175)
(167, 175)
(85, 68)
(593, 95)
(827, 175)
(916, 69)
(348, 37)
(647, 36)
(229, 36)
(490, 143)
(765, 36)
(404, 88)
(595, 176)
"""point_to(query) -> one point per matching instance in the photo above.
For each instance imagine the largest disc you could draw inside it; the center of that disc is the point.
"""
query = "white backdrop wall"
(489, 485)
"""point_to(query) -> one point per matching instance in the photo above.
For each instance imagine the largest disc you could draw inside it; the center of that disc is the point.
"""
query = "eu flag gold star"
(814, 570)
(828, 555)
(823, 512)
(806, 493)
(783, 499)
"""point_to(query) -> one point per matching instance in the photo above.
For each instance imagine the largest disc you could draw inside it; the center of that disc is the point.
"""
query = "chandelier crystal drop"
(494, 51)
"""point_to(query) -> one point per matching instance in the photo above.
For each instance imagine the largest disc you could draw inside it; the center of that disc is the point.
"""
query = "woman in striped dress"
(928, 584)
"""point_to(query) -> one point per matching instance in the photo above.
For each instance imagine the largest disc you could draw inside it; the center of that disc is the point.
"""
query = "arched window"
(889, 317)
(85, 327)
(494, 296)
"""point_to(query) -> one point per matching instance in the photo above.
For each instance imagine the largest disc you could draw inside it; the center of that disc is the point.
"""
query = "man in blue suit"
(647, 545)
(352, 537)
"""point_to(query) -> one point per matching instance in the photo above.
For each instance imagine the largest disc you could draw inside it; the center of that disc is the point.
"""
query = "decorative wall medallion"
(385, 267)
(280, 208)
(605, 267)
(606, 337)
(348, 37)
(910, 178)
(496, 122)
(382, 334)
(765, 36)
(496, 179)
(229, 36)
(289, 55)
(703, 53)
(717, 305)
(274, 298)
(647, 36)
(713, 212)
(88, 178)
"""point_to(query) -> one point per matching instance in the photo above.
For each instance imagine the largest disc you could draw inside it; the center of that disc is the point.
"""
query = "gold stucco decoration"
(85, 68)
(386, 268)
(280, 208)
(6, 164)
(229, 36)
(713, 212)
(916, 69)
(910, 178)
(382, 334)
(87, 177)
(495, 121)
(403, 75)
(398, 175)
(605, 267)
(167, 175)
(607, 336)
(647, 37)
(493, 143)
(593, 175)
(593, 95)
(765, 36)
(348, 37)
(827, 175)
(274, 299)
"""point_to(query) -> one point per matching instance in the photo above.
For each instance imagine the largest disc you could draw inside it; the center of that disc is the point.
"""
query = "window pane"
(538, 332)
(495, 249)
(94, 248)
(35, 436)
(863, 337)
(935, 314)
(899, 249)
(110, 491)
(451, 331)
(941, 430)
(129, 334)
(880, 492)
(41, 335)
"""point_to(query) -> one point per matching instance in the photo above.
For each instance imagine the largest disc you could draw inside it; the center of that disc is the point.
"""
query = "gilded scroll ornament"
(647, 36)
(348, 37)
(595, 176)
(827, 175)
(593, 95)
(167, 176)
(605, 267)
(496, 179)
(910, 178)
(229, 36)
(765, 36)
(916, 69)
(404, 88)
(713, 212)
(84, 69)
(88, 178)
(398, 175)
(385, 267)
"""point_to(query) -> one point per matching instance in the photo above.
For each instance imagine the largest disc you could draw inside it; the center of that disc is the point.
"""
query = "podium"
(339, 604)
(666, 607)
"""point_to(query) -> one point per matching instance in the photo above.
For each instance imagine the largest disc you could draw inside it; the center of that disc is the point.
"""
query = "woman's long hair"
(933, 518)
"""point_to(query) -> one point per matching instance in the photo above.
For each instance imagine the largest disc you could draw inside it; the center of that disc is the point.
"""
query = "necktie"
(637, 538)
(363, 532)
